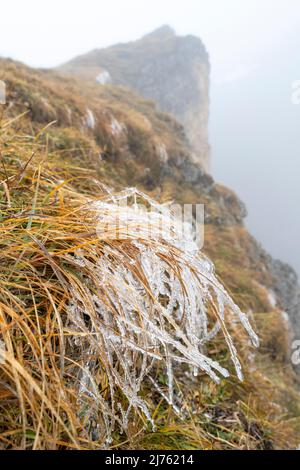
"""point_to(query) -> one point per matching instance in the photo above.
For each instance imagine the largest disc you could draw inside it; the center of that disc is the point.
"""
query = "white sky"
(237, 33)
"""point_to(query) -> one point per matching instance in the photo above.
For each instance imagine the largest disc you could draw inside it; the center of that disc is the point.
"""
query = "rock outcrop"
(287, 291)
(169, 69)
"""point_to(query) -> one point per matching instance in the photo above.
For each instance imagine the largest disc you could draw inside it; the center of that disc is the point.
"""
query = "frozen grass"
(88, 316)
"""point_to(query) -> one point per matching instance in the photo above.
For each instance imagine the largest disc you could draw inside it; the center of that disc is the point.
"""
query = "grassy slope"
(263, 411)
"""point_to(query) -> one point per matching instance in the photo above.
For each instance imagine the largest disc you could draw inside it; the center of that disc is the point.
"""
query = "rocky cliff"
(171, 70)
(287, 293)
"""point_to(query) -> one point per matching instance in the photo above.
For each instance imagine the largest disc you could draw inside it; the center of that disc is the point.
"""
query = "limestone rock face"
(287, 290)
(169, 69)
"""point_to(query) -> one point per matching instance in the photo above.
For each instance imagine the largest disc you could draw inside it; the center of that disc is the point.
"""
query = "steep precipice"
(172, 70)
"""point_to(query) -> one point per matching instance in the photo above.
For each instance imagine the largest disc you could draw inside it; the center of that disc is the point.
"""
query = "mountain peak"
(163, 32)
(169, 69)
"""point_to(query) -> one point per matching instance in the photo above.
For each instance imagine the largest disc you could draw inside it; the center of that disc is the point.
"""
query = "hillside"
(66, 144)
(169, 69)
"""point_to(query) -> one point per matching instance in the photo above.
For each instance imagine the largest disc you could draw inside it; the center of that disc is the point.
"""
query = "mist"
(255, 137)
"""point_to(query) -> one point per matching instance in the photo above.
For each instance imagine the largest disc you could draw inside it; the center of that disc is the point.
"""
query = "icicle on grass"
(150, 299)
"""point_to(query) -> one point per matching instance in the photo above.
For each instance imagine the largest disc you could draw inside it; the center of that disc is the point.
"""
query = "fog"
(254, 49)
(256, 147)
